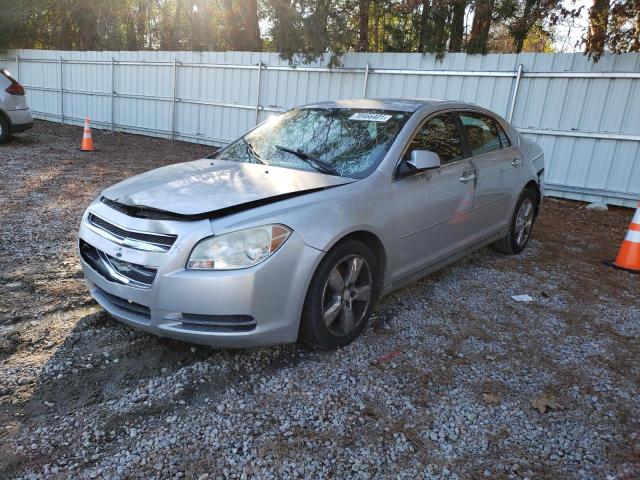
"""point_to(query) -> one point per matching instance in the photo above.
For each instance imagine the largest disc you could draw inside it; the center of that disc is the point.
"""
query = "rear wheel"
(4, 129)
(341, 296)
(521, 225)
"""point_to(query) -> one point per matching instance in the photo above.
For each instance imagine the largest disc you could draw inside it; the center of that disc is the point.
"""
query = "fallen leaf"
(491, 398)
(544, 402)
(388, 357)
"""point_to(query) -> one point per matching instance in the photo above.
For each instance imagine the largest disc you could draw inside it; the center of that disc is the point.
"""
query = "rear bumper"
(237, 308)
(20, 120)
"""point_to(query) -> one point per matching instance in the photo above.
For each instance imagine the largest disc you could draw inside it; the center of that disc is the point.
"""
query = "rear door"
(497, 166)
(433, 208)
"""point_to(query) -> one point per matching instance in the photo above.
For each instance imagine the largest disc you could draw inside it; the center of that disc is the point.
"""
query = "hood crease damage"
(142, 211)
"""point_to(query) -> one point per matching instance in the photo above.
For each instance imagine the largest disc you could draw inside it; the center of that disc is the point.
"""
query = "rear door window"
(482, 132)
(439, 134)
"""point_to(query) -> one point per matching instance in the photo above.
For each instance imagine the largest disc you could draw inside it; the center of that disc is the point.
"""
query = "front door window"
(439, 134)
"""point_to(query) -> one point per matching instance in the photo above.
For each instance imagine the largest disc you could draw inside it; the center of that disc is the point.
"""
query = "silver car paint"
(422, 222)
(204, 185)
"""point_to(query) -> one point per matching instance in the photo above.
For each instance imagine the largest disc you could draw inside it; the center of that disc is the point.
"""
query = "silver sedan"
(297, 228)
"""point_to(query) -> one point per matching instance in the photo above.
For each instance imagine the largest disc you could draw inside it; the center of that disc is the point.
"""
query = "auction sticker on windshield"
(370, 117)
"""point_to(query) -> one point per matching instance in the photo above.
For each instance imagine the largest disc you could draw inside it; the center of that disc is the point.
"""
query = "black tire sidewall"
(4, 135)
(526, 194)
(312, 327)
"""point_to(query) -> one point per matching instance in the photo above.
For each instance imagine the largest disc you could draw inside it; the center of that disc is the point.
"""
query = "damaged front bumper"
(255, 306)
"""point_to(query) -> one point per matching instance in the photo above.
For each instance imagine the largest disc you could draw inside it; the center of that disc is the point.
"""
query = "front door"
(433, 208)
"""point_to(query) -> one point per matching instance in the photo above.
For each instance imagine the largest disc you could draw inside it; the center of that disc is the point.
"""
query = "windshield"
(344, 142)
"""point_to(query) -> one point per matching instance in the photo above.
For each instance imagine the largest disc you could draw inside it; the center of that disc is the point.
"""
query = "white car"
(15, 115)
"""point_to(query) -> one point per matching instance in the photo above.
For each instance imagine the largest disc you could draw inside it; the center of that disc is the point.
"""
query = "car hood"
(206, 186)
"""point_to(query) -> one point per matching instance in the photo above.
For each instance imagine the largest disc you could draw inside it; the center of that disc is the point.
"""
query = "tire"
(4, 129)
(326, 321)
(513, 243)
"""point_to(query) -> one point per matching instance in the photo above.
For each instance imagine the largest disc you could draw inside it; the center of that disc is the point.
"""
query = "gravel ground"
(453, 378)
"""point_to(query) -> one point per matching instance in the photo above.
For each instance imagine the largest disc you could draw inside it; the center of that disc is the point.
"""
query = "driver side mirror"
(420, 161)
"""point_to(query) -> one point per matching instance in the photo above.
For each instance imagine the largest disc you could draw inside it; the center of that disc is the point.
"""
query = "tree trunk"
(440, 17)
(598, 23)
(423, 39)
(457, 26)
(635, 47)
(249, 10)
(130, 33)
(363, 38)
(521, 26)
(376, 25)
(480, 27)
(175, 39)
(141, 22)
(319, 27)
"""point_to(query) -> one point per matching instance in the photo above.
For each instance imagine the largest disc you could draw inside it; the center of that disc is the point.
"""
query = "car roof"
(397, 104)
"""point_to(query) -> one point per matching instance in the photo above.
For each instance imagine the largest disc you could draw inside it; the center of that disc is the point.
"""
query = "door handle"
(516, 161)
(467, 177)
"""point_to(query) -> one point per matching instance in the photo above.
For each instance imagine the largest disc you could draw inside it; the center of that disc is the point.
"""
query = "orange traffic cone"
(629, 256)
(87, 141)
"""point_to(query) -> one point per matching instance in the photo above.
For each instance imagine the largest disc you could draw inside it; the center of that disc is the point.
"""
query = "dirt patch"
(46, 184)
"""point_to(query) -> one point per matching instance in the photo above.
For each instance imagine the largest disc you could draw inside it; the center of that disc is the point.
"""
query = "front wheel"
(520, 227)
(341, 296)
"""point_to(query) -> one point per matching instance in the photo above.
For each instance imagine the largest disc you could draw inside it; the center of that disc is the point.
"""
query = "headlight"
(241, 249)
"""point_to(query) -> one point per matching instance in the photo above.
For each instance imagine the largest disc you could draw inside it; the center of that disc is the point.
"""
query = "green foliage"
(306, 30)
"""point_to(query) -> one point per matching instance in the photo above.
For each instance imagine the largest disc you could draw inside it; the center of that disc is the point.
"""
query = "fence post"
(61, 94)
(173, 99)
(366, 80)
(514, 93)
(18, 65)
(258, 91)
(113, 93)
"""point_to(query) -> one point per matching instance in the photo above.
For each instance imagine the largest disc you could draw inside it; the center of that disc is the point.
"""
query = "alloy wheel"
(524, 222)
(346, 295)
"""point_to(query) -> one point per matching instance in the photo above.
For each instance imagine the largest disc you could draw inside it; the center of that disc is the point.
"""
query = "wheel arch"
(5, 116)
(534, 188)
(372, 241)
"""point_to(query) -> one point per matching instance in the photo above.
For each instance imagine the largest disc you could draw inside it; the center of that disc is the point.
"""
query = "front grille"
(116, 270)
(125, 304)
(164, 242)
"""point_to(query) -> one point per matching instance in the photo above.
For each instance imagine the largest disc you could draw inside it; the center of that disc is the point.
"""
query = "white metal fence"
(585, 116)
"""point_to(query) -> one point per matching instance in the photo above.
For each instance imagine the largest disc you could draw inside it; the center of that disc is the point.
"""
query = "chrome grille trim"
(150, 242)
(119, 276)
(103, 265)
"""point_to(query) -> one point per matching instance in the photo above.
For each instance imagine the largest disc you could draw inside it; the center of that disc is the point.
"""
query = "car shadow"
(108, 375)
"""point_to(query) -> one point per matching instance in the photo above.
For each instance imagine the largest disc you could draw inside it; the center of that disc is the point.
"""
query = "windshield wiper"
(315, 162)
(253, 153)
